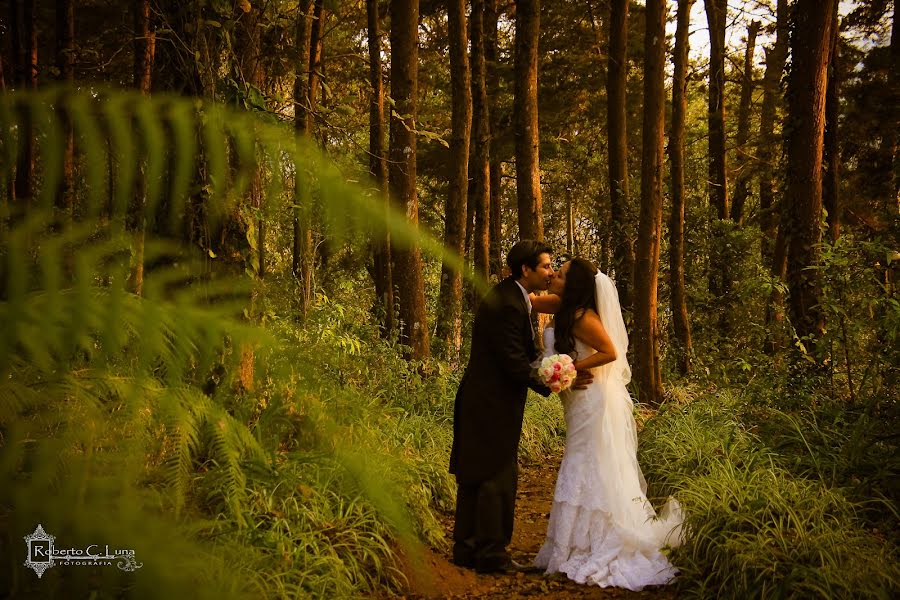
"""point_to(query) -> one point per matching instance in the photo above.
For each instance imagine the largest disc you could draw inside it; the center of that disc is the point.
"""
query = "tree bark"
(481, 134)
(768, 141)
(384, 290)
(492, 80)
(65, 62)
(649, 381)
(303, 263)
(402, 173)
(303, 258)
(716, 13)
(24, 49)
(315, 61)
(680, 320)
(449, 325)
(831, 149)
(807, 82)
(742, 185)
(144, 56)
(525, 119)
(617, 69)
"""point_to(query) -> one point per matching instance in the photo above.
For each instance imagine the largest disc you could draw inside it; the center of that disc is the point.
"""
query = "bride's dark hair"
(577, 296)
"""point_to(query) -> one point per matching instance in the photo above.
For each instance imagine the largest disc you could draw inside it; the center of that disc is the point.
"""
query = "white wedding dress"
(602, 530)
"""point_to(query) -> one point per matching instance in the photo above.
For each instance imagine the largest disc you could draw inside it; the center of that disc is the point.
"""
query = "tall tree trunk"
(769, 145)
(649, 380)
(24, 49)
(680, 321)
(742, 185)
(807, 82)
(449, 325)
(315, 61)
(65, 62)
(492, 77)
(716, 13)
(894, 125)
(402, 173)
(481, 134)
(616, 83)
(831, 149)
(303, 259)
(144, 55)
(525, 119)
(384, 290)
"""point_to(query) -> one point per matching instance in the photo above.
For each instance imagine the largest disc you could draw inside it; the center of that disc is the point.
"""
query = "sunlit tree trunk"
(742, 184)
(65, 62)
(449, 325)
(617, 78)
(492, 80)
(303, 256)
(892, 139)
(807, 82)
(646, 352)
(680, 321)
(144, 55)
(525, 120)
(402, 173)
(384, 290)
(831, 150)
(769, 147)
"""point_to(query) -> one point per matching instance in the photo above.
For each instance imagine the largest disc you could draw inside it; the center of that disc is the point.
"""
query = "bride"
(603, 530)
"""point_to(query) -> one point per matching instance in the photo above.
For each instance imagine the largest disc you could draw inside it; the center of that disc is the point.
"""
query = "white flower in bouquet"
(557, 372)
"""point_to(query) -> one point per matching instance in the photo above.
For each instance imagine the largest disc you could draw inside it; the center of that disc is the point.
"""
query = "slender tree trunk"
(768, 140)
(616, 85)
(807, 82)
(525, 118)
(65, 62)
(716, 13)
(649, 380)
(742, 185)
(831, 149)
(384, 291)
(315, 61)
(144, 56)
(402, 173)
(24, 48)
(449, 325)
(481, 134)
(680, 321)
(492, 78)
(303, 259)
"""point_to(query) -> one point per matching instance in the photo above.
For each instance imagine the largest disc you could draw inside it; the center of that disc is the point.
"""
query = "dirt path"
(442, 579)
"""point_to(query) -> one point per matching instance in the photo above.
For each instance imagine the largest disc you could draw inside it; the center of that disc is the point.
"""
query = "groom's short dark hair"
(525, 252)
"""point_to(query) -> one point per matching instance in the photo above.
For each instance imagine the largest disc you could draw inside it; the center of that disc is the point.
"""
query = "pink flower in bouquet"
(557, 372)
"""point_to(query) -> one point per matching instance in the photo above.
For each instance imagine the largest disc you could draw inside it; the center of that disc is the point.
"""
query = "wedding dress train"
(602, 530)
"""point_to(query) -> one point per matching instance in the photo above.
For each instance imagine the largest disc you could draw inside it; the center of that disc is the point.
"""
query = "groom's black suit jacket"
(490, 402)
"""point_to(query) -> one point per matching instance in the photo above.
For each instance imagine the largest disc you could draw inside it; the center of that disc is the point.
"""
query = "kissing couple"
(602, 529)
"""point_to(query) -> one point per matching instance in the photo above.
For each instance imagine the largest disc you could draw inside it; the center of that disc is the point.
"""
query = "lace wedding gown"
(602, 529)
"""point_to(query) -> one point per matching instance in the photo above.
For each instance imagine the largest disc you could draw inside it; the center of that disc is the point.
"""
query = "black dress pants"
(485, 513)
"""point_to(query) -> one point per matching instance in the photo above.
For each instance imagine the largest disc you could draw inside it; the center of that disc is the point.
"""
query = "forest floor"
(440, 578)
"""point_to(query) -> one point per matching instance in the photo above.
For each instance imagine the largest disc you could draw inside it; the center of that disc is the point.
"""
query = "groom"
(490, 404)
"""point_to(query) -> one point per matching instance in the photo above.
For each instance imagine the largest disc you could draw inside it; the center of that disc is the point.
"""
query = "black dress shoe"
(507, 567)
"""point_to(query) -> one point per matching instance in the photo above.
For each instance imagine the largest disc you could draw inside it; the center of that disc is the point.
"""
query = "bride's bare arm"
(589, 329)
(545, 303)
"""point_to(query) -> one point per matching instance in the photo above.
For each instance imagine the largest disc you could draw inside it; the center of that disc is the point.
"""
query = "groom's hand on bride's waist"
(582, 380)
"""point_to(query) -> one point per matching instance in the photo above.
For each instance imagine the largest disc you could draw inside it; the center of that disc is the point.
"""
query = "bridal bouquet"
(557, 372)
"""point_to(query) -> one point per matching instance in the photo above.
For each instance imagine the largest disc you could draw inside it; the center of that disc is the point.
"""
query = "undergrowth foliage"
(125, 419)
(768, 514)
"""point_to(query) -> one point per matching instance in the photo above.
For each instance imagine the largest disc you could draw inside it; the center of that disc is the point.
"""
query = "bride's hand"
(582, 380)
